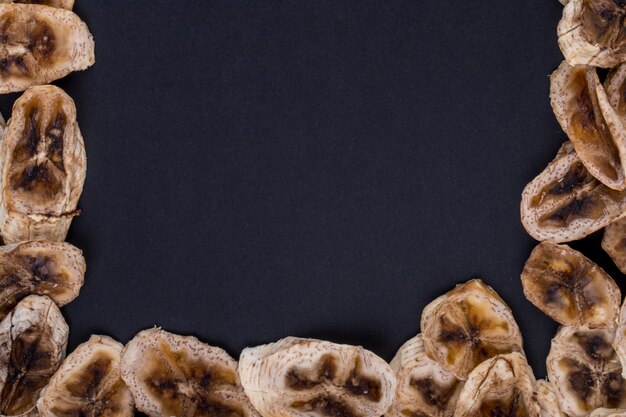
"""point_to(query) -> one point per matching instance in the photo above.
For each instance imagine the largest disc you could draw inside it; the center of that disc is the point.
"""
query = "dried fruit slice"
(467, 326)
(619, 341)
(614, 242)
(585, 371)
(33, 339)
(608, 412)
(43, 167)
(305, 377)
(546, 398)
(614, 86)
(172, 375)
(88, 383)
(62, 4)
(570, 288)
(424, 387)
(501, 386)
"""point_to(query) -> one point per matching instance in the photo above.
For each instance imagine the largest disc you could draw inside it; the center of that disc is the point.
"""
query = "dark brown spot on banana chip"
(325, 406)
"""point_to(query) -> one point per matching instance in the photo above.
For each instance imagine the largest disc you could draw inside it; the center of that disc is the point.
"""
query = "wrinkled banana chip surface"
(62, 4)
(305, 377)
(614, 242)
(608, 412)
(546, 398)
(619, 341)
(615, 88)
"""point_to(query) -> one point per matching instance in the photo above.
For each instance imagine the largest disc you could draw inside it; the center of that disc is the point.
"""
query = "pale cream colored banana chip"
(33, 339)
(608, 412)
(501, 386)
(570, 288)
(43, 165)
(62, 4)
(614, 242)
(585, 371)
(424, 388)
(304, 377)
(88, 383)
(172, 375)
(546, 398)
(467, 326)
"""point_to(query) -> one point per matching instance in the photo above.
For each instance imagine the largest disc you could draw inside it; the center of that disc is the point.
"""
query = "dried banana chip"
(546, 398)
(467, 326)
(62, 4)
(614, 242)
(303, 377)
(43, 167)
(619, 341)
(608, 412)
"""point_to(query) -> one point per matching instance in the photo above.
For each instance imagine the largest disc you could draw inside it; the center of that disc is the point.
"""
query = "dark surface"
(320, 169)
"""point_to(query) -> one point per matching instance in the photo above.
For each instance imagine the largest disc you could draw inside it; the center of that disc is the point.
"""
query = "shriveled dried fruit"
(88, 383)
(608, 412)
(43, 167)
(546, 398)
(33, 339)
(501, 386)
(570, 288)
(619, 341)
(614, 242)
(172, 375)
(424, 387)
(304, 377)
(585, 371)
(62, 4)
(467, 326)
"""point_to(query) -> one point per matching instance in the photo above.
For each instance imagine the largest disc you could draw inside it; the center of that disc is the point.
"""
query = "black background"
(319, 169)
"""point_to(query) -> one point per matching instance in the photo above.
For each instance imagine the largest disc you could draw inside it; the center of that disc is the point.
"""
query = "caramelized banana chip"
(570, 288)
(467, 326)
(33, 339)
(172, 375)
(424, 388)
(88, 383)
(43, 167)
(546, 398)
(608, 412)
(584, 370)
(303, 377)
(501, 386)
(61, 4)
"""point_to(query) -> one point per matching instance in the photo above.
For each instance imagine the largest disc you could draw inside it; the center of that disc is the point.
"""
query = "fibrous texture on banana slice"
(608, 412)
(591, 32)
(43, 166)
(424, 388)
(40, 44)
(501, 386)
(614, 86)
(585, 371)
(303, 377)
(172, 375)
(546, 398)
(467, 326)
(619, 341)
(565, 202)
(569, 287)
(33, 339)
(62, 4)
(88, 383)
(614, 242)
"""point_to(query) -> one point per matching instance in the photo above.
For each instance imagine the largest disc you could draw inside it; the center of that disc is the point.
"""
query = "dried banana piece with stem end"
(570, 288)
(33, 339)
(614, 243)
(546, 398)
(88, 383)
(424, 387)
(585, 371)
(467, 326)
(172, 375)
(43, 165)
(501, 386)
(62, 4)
(304, 377)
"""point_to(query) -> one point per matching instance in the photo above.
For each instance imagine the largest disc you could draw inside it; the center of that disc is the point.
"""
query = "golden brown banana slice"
(467, 326)
(614, 242)
(546, 398)
(88, 383)
(62, 4)
(424, 388)
(570, 288)
(33, 339)
(43, 167)
(304, 377)
(608, 412)
(584, 370)
(501, 386)
(172, 375)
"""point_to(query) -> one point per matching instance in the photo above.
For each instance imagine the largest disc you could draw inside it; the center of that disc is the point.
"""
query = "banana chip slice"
(608, 412)
(172, 375)
(467, 326)
(546, 398)
(88, 383)
(303, 377)
(33, 339)
(619, 342)
(501, 386)
(585, 371)
(614, 243)
(43, 167)
(570, 288)
(62, 4)
(424, 388)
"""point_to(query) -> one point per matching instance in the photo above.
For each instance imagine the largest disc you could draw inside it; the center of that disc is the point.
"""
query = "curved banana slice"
(570, 288)
(608, 412)
(33, 339)
(546, 398)
(424, 387)
(61, 4)
(304, 377)
(614, 243)
(585, 371)
(501, 386)
(88, 383)
(619, 341)
(467, 326)
(172, 375)
(43, 165)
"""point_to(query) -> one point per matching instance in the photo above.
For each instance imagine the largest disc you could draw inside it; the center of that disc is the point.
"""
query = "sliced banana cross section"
(62, 4)
(304, 377)
(546, 398)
